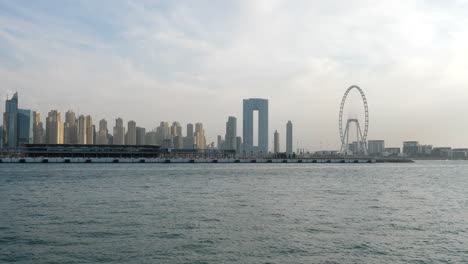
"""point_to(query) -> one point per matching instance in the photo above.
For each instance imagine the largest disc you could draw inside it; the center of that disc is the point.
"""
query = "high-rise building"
(94, 134)
(189, 142)
(70, 133)
(89, 130)
(38, 129)
(54, 128)
(200, 139)
(276, 145)
(1, 137)
(176, 129)
(119, 132)
(178, 142)
(82, 129)
(190, 132)
(375, 147)
(140, 136)
(150, 138)
(18, 124)
(231, 134)
(10, 122)
(103, 133)
(131, 133)
(25, 126)
(289, 138)
(251, 105)
(163, 132)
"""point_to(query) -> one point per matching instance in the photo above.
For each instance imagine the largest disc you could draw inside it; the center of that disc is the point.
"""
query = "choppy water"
(234, 213)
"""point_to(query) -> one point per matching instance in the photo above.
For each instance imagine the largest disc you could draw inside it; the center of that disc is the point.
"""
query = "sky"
(194, 61)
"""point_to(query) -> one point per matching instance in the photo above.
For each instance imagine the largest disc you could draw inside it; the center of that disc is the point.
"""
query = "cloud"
(195, 61)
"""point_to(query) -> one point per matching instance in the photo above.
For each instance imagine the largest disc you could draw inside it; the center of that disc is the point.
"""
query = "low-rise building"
(375, 147)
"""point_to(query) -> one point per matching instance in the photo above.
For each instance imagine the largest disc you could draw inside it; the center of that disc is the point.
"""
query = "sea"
(234, 213)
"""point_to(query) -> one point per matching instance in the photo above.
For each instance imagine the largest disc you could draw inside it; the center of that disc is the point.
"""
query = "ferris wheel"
(360, 147)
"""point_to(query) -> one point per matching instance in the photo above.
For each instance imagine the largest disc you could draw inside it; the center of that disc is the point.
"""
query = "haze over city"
(194, 62)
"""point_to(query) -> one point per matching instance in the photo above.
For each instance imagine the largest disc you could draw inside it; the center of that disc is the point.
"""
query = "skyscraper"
(54, 128)
(140, 136)
(176, 129)
(82, 129)
(131, 133)
(190, 130)
(276, 145)
(150, 138)
(103, 133)
(163, 132)
(119, 132)
(1, 137)
(200, 139)
(18, 124)
(70, 133)
(189, 140)
(289, 138)
(178, 142)
(251, 105)
(94, 134)
(89, 130)
(230, 141)
(10, 122)
(25, 126)
(38, 129)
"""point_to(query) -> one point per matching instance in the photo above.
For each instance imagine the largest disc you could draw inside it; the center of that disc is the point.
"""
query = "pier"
(179, 160)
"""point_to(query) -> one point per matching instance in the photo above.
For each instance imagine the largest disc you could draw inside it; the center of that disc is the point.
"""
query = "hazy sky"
(194, 61)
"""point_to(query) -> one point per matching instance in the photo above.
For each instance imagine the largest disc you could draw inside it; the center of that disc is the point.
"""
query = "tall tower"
(10, 122)
(82, 129)
(230, 141)
(189, 140)
(276, 145)
(131, 133)
(89, 130)
(176, 129)
(38, 129)
(163, 132)
(70, 133)
(200, 139)
(289, 138)
(251, 105)
(119, 132)
(103, 133)
(190, 130)
(140, 136)
(54, 128)
(25, 126)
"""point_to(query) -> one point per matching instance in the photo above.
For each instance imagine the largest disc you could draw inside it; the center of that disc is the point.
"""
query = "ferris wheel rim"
(366, 111)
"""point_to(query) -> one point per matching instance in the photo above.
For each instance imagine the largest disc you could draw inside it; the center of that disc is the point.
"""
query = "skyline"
(173, 61)
(81, 129)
